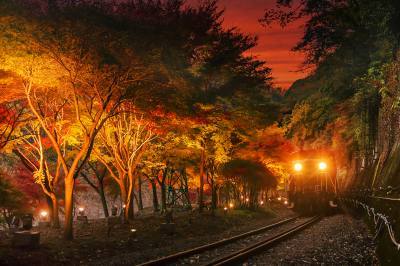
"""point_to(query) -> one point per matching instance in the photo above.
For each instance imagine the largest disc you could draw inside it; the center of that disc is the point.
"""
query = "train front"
(312, 185)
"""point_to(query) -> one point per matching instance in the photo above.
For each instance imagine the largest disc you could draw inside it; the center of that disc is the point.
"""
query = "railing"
(379, 219)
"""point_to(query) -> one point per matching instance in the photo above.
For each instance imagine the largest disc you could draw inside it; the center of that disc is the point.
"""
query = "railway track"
(240, 254)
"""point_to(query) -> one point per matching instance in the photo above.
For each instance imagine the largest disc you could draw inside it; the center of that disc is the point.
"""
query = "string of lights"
(379, 219)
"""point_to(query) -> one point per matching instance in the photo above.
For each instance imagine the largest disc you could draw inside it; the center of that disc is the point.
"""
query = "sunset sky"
(275, 43)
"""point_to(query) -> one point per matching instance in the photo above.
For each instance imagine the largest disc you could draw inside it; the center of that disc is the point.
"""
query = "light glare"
(298, 167)
(322, 165)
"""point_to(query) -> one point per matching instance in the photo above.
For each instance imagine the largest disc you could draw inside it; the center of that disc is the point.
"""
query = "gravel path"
(335, 240)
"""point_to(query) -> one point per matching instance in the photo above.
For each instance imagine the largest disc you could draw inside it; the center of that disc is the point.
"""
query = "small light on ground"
(81, 209)
(225, 208)
(262, 202)
(43, 214)
(286, 202)
(279, 198)
(133, 230)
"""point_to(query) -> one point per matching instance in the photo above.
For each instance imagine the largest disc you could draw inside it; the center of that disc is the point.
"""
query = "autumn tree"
(122, 143)
(33, 151)
(90, 82)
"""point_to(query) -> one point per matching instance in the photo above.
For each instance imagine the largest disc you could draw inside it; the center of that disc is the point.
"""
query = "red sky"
(274, 43)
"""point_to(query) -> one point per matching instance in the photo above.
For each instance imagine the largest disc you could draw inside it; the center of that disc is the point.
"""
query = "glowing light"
(322, 165)
(279, 198)
(133, 230)
(298, 167)
(231, 205)
(225, 208)
(262, 202)
(286, 202)
(81, 209)
(247, 199)
(43, 214)
(241, 197)
(124, 206)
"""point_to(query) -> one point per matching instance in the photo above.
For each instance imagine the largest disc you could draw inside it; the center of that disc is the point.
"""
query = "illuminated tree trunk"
(68, 223)
(124, 200)
(54, 211)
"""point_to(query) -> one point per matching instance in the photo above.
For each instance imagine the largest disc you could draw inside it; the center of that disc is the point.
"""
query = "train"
(312, 184)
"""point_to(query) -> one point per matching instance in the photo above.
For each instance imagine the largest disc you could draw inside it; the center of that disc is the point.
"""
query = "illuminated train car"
(312, 185)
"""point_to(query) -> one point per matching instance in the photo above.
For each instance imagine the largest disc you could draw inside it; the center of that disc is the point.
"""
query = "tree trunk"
(163, 197)
(140, 197)
(201, 179)
(49, 202)
(213, 196)
(103, 199)
(69, 189)
(155, 197)
(125, 206)
(55, 218)
(131, 211)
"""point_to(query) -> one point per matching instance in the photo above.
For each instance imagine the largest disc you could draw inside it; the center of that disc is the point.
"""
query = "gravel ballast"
(335, 240)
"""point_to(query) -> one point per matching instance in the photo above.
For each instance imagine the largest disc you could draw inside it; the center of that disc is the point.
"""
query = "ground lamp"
(132, 233)
(81, 211)
(81, 215)
(43, 216)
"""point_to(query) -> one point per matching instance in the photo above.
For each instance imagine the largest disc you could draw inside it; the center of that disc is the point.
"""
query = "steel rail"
(249, 251)
(189, 252)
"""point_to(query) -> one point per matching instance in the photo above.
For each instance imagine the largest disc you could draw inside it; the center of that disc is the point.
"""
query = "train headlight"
(322, 166)
(298, 167)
